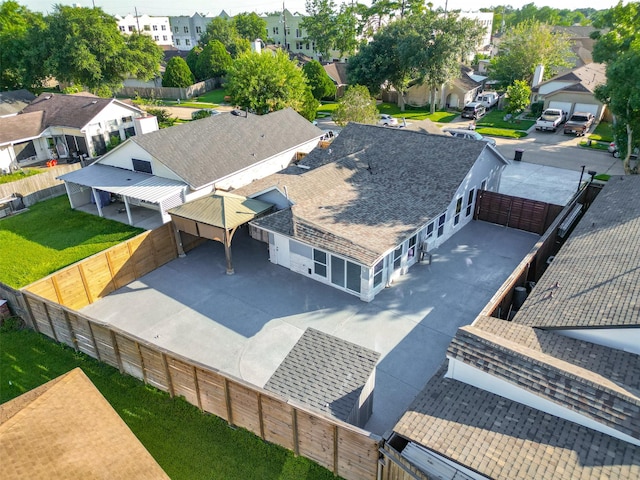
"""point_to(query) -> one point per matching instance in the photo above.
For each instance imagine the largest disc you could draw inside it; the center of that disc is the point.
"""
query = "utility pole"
(284, 21)
(137, 19)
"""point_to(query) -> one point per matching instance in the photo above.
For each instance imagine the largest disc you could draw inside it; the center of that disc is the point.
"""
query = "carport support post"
(228, 236)
(179, 246)
(128, 209)
(96, 197)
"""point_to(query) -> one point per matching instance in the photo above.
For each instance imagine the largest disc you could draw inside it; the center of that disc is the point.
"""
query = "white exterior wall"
(463, 372)
(102, 124)
(145, 124)
(623, 338)
(121, 157)
(157, 28)
(550, 87)
(6, 157)
(263, 168)
(486, 20)
(195, 26)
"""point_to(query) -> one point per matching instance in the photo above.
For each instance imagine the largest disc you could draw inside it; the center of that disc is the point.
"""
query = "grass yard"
(187, 443)
(602, 133)
(213, 96)
(19, 175)
(594, 145)
(500, 132)
(417, 113)
(495, 119)
(51, 236)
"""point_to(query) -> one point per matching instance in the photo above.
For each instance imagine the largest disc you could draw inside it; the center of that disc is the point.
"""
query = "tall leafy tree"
(225, 32)
(15, 23)
(526, 46)
(319, 24)
(177, 74)
(321, 85)
(518, 94)
(619, 48)
(250, 26)
(192, 61)
(357, 105)
(142, 56)
(264, 83)
(214, 61)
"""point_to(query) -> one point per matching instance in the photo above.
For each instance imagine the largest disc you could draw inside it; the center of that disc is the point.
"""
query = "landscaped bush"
(536, 109)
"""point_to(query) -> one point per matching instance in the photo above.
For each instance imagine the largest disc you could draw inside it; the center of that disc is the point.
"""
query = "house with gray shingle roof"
(13, 101)
(67, 127)
(455, 94)
(554, 393)
(358, 214)
(573, 91)
(168, 167)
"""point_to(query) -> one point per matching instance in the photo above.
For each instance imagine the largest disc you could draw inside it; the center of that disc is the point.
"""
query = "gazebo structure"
(216, 217)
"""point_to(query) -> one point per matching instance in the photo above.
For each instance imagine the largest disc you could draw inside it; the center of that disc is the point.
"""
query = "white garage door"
(564, 106)
(586, 107)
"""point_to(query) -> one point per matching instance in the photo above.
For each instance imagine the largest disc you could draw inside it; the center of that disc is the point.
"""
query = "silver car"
(470, 135)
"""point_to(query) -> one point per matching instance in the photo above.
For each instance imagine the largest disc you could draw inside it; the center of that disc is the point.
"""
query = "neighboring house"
(581, 41)
(14, 101)
(485, 19)
(357, 215)
(67, 127)
(455, 94)
(157, 28)
(66, 429)
(554, 393)
(168, 167)
(337, 72)
(187, 30)
(573, 91)
(285, 28)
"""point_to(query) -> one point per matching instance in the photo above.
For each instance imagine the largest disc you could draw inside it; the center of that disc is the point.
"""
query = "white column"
(66, 187)
(96, 197)
(128, 209)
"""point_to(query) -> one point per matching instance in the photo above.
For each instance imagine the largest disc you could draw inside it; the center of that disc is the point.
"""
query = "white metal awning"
(141, 186)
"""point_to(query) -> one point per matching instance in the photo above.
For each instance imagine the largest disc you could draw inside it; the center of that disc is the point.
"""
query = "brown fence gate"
(515, 212)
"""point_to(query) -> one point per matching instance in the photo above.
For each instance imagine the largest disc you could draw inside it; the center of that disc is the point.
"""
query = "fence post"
(116, 350)
(144, 373)
(168, 373)
(93, 340)
(227, 397)
(72, 334)
(53, 329)
(197, 384)
(294, 430)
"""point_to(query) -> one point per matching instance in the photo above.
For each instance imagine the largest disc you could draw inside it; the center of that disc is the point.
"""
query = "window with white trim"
(456, 219)
(429, 233)
(377, 273)
(397, 257)
(441, 221)
(320, 263)
(470, 201)
(411, 252)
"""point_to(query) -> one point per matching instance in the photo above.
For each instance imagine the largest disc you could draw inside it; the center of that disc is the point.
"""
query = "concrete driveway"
(246, 324)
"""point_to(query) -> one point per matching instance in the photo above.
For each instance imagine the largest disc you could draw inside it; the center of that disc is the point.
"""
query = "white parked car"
(470, 135)
(387, 120)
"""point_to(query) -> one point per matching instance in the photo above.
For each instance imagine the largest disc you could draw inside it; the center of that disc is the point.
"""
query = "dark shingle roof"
(598, 382)
(324, 372)
(372, 188)
(20, 127)
(597, 271)
(583, 79)
(337, 71)
(210, 149)
(14, 101)
(503, 439)
(70, 110)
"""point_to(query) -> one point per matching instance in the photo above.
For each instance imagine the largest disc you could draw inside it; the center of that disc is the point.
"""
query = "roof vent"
(94, 101)
(47, 97)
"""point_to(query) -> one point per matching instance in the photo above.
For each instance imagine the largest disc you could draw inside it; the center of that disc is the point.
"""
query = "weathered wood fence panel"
(342, 448)
(39, 187)
(84, 282)
(515, 212)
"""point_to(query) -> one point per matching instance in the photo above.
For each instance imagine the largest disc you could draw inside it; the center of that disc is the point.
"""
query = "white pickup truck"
(551, 119)
(488, 99)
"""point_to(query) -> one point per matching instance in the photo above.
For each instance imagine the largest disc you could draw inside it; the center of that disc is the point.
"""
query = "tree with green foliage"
(225, 32)
(526, 46)
(319, 25)
(419, 48)
(619, 49)
(177, 74)
(213, 61)
(192, 61)
(15, 23)
(518, 94)
(165, 119)
(321, 84)
(84, 46)
(357, 105)
(250, 26)
(263, 83)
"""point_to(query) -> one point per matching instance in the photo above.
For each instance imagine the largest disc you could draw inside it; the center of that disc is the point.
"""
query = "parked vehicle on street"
(551, 119)
(613, 150)
(488, 99)
(387, 120)
(579, 123)
(473, 110)
(470, 135)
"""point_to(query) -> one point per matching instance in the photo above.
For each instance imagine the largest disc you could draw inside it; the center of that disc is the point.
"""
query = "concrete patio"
(245, 324)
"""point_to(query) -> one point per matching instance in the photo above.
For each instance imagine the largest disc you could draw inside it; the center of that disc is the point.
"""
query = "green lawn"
(594, 145)
(495, 119)
(51, 236)
(603, 133)
(417, 113)
(19, 175)
(214, 96)
(500, 132)
(187, 443)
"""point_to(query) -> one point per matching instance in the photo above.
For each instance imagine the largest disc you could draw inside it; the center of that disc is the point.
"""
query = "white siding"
(6, 157)
(122, 155)
(627, 339)
(552, 86)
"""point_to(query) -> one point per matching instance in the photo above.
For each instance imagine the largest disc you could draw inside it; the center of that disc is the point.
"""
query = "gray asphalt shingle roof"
(19, 127)
(70, 110)
(13, 101)
(324, 372)
(206, 150)
(503, 439)
(597, 271)
(372, 188)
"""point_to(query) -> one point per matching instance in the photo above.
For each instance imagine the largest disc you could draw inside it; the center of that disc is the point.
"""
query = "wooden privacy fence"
(84, 282)
(39, 187)
(515, 212)
(342, 448)
(534, 263)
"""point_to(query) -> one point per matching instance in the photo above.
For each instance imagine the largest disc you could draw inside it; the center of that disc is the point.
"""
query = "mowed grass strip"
(187, 443)
(19, 175)
(51, 236)
(495, 119)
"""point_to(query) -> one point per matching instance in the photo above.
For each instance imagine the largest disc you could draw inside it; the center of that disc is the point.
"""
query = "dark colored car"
(473, 110)
(579, 123)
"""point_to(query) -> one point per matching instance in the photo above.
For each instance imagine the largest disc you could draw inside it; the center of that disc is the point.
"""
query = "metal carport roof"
(142, 186)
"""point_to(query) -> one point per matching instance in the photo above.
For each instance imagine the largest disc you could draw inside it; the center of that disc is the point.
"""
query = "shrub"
(536, 109)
